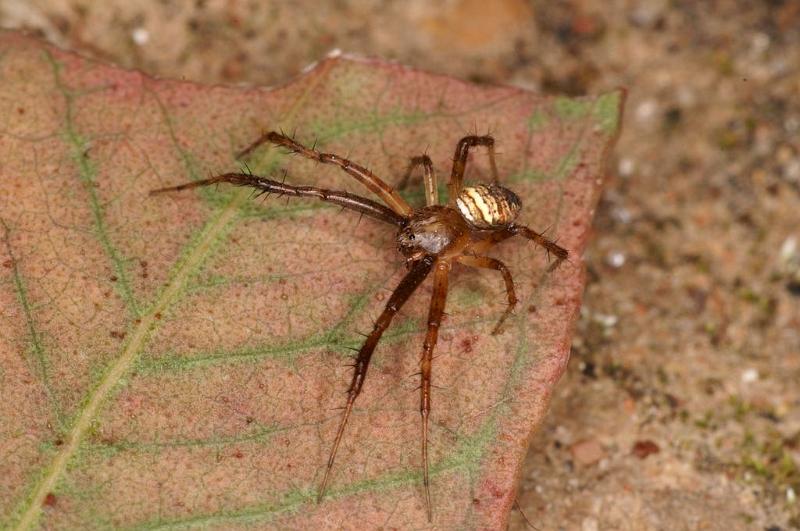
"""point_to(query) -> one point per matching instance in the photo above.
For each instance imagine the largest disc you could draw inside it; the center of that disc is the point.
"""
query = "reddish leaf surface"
(177, 361)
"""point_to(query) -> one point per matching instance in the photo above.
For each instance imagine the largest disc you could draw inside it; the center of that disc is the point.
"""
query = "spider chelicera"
(431, 239)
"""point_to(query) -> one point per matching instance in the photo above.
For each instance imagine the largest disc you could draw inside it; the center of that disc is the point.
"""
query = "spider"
(431, 239)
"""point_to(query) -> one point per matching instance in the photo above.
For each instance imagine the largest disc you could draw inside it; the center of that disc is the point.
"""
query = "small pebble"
(788, 250)
(590, 524)
(646, 110)
(760, 42)
(646, 13)
(686, 96)
(605, 319)
(626, 167)
(140, 36)
(792, 170)
(563, 435)
(643, 449)
(749, 376)
(587, 452)
(615, 259)
(622, 214)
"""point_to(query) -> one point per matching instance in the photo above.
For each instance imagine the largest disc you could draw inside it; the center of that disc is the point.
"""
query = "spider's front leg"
(429, 177)
(401, 294)
(460, 162)
(435, 314)
(375, 184)
(268, 186)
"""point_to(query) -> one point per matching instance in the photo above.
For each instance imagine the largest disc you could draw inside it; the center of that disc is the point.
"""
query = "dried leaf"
(177, 361)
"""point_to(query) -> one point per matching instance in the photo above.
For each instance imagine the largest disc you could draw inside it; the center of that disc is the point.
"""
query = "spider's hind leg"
(491, 263)
(434, 322)
(549, 245)
(401, 294)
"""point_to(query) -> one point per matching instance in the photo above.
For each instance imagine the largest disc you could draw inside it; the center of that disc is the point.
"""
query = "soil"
(680, 406)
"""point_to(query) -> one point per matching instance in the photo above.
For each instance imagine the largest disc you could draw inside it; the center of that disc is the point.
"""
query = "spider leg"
(434, 321)
(264, 138)
(375, 184)
(549, 245)
(490, 263)
(360, 204)
(429, 176)
(401, 294)
(460, 162)
(481, 247)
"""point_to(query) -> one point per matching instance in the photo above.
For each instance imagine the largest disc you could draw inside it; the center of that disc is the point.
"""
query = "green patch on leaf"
(537, 121)
(606, 111)
(572, 109)
(325, 131)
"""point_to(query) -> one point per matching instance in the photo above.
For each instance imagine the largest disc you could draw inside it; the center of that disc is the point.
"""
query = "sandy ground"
(680, 406)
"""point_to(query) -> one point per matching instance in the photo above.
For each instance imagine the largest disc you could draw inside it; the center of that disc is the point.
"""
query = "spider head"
(488, 206)
(429, 231)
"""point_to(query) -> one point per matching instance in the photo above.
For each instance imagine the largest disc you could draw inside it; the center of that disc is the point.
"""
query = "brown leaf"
(178, 360)
(645, 448)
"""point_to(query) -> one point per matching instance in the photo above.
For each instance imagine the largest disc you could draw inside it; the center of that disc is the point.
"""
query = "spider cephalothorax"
(431, 230)
(431, 238)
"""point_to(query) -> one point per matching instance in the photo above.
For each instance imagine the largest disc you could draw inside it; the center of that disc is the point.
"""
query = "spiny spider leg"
(412, 280)
(252, 147)
(551, 246)
(375, 184)
(491, 263)
(435, 313)
(482, 246)
(429, 176)
(266, 186)
(460, 162)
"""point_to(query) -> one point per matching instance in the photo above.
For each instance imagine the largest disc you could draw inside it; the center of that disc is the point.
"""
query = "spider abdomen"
(488, 206)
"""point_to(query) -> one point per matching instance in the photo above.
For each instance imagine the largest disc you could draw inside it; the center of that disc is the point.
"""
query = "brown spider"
(431, 238)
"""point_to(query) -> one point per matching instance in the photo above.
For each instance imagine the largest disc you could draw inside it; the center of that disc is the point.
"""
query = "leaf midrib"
(120, 367)
(96, 396)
